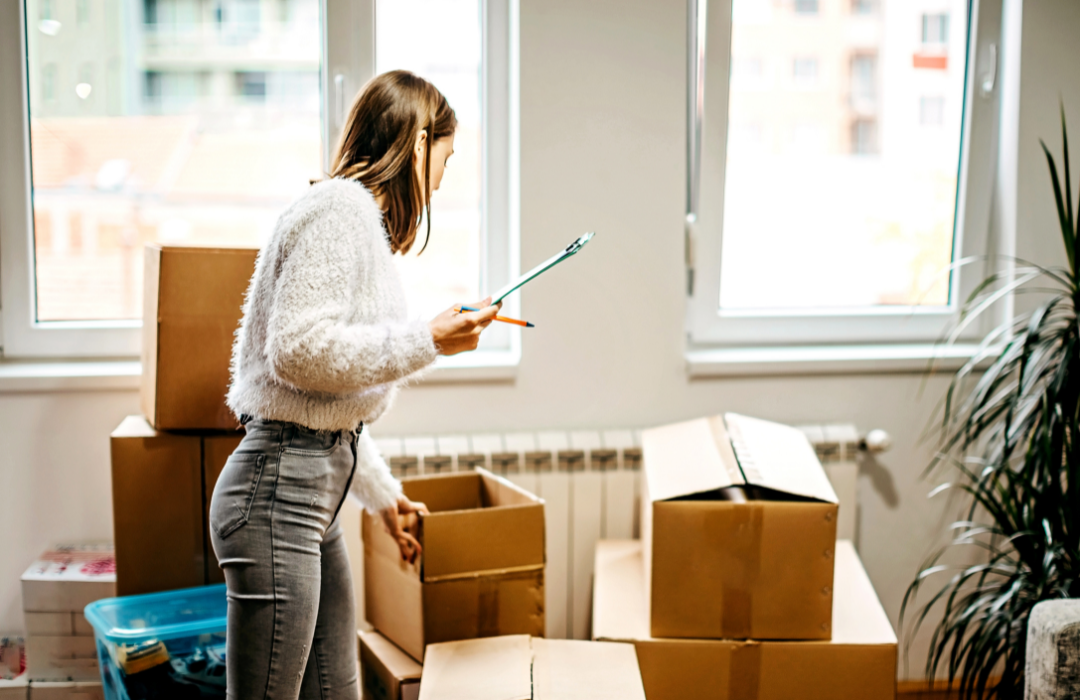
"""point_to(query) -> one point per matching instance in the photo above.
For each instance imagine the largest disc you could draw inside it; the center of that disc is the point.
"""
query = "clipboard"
(543, 267)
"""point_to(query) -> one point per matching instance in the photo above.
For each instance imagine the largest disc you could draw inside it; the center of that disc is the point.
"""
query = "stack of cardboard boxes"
(165, 463)
(738, 588)
(61, 659)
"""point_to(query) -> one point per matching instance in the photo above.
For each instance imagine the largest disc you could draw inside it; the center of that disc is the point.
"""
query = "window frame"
(708, 326)
(23, 337)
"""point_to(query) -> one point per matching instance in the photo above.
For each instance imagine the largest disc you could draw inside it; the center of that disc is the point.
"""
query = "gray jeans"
(273, 521)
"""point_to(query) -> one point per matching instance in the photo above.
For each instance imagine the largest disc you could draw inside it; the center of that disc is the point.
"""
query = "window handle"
(990, 79)
(339, 99)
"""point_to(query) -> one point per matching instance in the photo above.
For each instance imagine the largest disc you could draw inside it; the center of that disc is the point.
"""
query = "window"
(82, 12)
(157, 129)
(863, 137)
(863, 78)
(864, 7)
(804, 72)
(932, 111)
(844, 231)
(806, 7)
(935, 28)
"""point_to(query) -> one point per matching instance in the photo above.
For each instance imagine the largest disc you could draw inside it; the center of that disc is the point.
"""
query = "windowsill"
(851, 359)
(126, 374)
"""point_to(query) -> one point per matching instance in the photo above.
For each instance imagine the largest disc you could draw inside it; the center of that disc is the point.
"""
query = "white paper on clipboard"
(543, 267)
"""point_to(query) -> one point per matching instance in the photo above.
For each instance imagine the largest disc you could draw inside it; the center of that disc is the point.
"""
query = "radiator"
(590, 483)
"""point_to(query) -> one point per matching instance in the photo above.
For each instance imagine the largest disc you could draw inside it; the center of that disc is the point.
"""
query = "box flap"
(778, 457)
(565, 669)
(495, 668)
(486, 539)
(687, 458)
(709, 454)
(396, 662)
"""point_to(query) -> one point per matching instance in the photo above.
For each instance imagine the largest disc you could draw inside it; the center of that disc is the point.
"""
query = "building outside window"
(869, 223)
(189, 145)
(932, 110)
(935, 28)
(804, 72)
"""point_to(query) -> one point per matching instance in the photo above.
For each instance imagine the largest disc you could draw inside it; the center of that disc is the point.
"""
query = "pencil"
(504, 319)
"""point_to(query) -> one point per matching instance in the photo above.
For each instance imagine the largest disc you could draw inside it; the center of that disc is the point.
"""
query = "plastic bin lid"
(168, 615)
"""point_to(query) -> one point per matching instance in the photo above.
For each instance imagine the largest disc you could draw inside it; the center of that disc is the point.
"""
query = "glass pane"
(441, 41)
(181, 121)
(843, 152)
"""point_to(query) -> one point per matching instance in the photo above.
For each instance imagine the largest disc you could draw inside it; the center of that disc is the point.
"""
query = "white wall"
(602, 148)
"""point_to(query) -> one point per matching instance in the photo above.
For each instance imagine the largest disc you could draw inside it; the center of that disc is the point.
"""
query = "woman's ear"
(421, 146)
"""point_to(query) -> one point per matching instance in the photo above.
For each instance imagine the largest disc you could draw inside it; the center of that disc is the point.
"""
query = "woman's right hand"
(456, 332)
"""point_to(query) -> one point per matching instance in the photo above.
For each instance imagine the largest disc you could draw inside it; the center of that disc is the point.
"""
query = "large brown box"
(192, 303)
(859, 663)
(160, 497)
(738, 521)
(481, 573)
(386, 672)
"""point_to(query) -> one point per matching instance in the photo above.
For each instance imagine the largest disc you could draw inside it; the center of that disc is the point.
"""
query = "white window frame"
(349, 52)
(710, 327)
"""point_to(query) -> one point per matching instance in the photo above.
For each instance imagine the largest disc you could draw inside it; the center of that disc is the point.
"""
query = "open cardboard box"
(522, 668)
(859, 663)
(387, 673)
(739, 527)
(481, 573)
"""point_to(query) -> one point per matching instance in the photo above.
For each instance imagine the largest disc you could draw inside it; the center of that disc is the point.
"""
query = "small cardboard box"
(519, 667)
(67, 578)
(160, 500)
(387, 673)
(859, 663)
(61, 659)
(14, 688)
(192, 304)
(482, 569)
(739, 525)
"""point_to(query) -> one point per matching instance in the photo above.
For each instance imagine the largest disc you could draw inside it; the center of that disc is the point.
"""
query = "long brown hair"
(376, 148)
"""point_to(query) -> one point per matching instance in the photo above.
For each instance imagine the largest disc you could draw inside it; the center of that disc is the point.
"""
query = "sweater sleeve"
(372, 485)
(310, 343)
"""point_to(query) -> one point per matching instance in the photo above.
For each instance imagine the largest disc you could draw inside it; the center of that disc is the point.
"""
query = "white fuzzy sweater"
(325, 340)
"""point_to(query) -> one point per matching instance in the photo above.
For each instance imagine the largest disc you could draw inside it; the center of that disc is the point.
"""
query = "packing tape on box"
(744, 675)
(487, 607)
(742, 565)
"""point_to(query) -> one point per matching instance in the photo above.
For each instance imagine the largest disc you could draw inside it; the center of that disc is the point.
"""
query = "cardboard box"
(386, 672)
(161, 497)
(859, 663)
(14, 688)
(86, 690)
(739, 525)
(61, 659)
(68, 577)
(482, 569)
(192, 303)
(519, 667)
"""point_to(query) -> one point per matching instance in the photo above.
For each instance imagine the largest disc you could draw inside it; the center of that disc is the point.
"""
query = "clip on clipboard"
(543, 267)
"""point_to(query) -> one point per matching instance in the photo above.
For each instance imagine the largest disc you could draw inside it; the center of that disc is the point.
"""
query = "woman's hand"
(402, 522)
(456, 332)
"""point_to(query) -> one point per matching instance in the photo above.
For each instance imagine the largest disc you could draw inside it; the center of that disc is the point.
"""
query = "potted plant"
(1010, 441)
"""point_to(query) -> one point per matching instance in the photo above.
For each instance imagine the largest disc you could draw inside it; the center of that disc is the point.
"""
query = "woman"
(322, 349)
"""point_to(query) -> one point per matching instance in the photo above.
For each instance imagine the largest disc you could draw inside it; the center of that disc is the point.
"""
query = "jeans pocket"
(306, 479)
(234, 493)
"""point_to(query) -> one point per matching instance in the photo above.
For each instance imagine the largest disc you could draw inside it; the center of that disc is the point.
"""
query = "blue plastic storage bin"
(162, 645)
